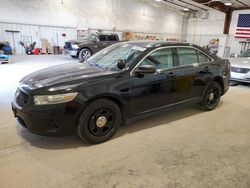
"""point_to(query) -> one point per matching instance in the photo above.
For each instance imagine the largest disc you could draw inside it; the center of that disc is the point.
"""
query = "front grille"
(22, 98)
(240, 70)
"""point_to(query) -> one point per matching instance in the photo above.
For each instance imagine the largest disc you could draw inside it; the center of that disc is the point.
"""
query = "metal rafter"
(241, 3)
(173, 3)
(190, 4)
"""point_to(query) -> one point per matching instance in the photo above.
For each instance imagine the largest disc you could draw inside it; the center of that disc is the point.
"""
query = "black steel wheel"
(99, 121)
(211, 97)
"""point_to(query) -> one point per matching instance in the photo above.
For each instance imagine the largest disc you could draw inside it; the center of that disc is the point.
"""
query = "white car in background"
(240, 67)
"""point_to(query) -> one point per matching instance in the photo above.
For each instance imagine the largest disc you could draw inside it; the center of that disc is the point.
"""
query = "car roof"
(105, 33)
(148, 44)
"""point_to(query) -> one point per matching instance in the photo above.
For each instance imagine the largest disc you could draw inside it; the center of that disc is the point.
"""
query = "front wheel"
(74, 57)
(85, 54)
(99, 121)
(211, 97)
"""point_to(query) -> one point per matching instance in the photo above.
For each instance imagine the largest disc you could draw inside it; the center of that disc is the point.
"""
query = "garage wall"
(236, 46)
(34, 33)
(201, 31)
(34, 18)
(134, 15)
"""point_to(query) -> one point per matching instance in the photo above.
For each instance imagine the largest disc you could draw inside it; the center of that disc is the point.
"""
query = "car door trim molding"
(165, 47)
(169, 105)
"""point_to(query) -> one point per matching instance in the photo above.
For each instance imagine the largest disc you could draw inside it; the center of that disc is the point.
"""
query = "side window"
(111, 38)
(187, 56)
(102, 37)
(202, 57)
(161, 59)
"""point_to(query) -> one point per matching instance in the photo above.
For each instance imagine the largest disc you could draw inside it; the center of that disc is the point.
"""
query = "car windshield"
(245, 53)
(108, 58)
(89, 37)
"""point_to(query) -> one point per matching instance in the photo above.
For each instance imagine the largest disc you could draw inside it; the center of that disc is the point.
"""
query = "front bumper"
(71, 52)
(240, 77)
(49, 120)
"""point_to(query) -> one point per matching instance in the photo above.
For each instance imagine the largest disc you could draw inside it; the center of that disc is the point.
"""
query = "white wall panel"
(202, 31)
(52, 34)
(50, 18)
(135, 15)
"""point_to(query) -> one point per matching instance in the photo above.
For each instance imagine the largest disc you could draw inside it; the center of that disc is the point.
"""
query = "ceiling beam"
(241, 3)
(190, 4)
(242, 8)
(171, 2)
(228, 19)
(215, 5)
(222, 8)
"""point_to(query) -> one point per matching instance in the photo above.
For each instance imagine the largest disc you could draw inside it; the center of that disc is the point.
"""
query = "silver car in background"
(240, 67)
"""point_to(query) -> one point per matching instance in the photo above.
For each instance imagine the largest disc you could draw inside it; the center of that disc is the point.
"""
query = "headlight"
(74, 46)
(54, 99)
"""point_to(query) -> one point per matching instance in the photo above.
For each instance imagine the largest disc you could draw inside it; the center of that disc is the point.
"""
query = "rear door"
(190, 81)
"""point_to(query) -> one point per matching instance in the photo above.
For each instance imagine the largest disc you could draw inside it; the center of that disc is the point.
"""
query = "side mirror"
(145, 69)
(95, 39)
(120, 64)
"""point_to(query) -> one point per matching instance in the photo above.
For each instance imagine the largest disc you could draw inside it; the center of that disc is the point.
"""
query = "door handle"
(171, 75)
(206, 69)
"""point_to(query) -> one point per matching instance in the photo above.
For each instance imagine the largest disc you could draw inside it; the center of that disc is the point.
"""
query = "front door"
(153, 91)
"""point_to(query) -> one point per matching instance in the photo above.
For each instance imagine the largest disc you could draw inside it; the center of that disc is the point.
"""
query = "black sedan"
(120, 83)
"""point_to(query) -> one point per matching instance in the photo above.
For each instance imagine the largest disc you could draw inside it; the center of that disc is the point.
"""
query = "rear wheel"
(85, 54)
(211, 97)
(99, 121)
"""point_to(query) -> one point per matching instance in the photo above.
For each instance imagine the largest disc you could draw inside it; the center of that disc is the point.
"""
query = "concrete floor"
(184, 147)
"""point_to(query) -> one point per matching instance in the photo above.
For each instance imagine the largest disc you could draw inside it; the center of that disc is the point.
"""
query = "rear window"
(111, 37)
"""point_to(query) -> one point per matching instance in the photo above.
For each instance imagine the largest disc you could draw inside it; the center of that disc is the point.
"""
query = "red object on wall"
(36, 51)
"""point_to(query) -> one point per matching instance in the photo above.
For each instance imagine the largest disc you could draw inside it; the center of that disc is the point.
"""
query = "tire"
(85, 54)
(234, 83)
(99, 121)
(211, 97)
(74, 57)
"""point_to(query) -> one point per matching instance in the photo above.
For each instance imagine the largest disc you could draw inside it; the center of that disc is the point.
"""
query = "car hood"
(77, 41)
(243, 62)
(63, 74)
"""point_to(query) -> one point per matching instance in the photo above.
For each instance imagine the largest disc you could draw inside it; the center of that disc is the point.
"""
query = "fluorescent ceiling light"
(186, 9)
(158, 0)
(228, 3)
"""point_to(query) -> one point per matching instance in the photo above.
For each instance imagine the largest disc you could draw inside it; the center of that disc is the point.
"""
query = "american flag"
(243, 27)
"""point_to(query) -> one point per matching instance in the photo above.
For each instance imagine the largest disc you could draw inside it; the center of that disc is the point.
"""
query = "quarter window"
(202, 57)
(187, 56)
(161, 59)
(111, 38)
